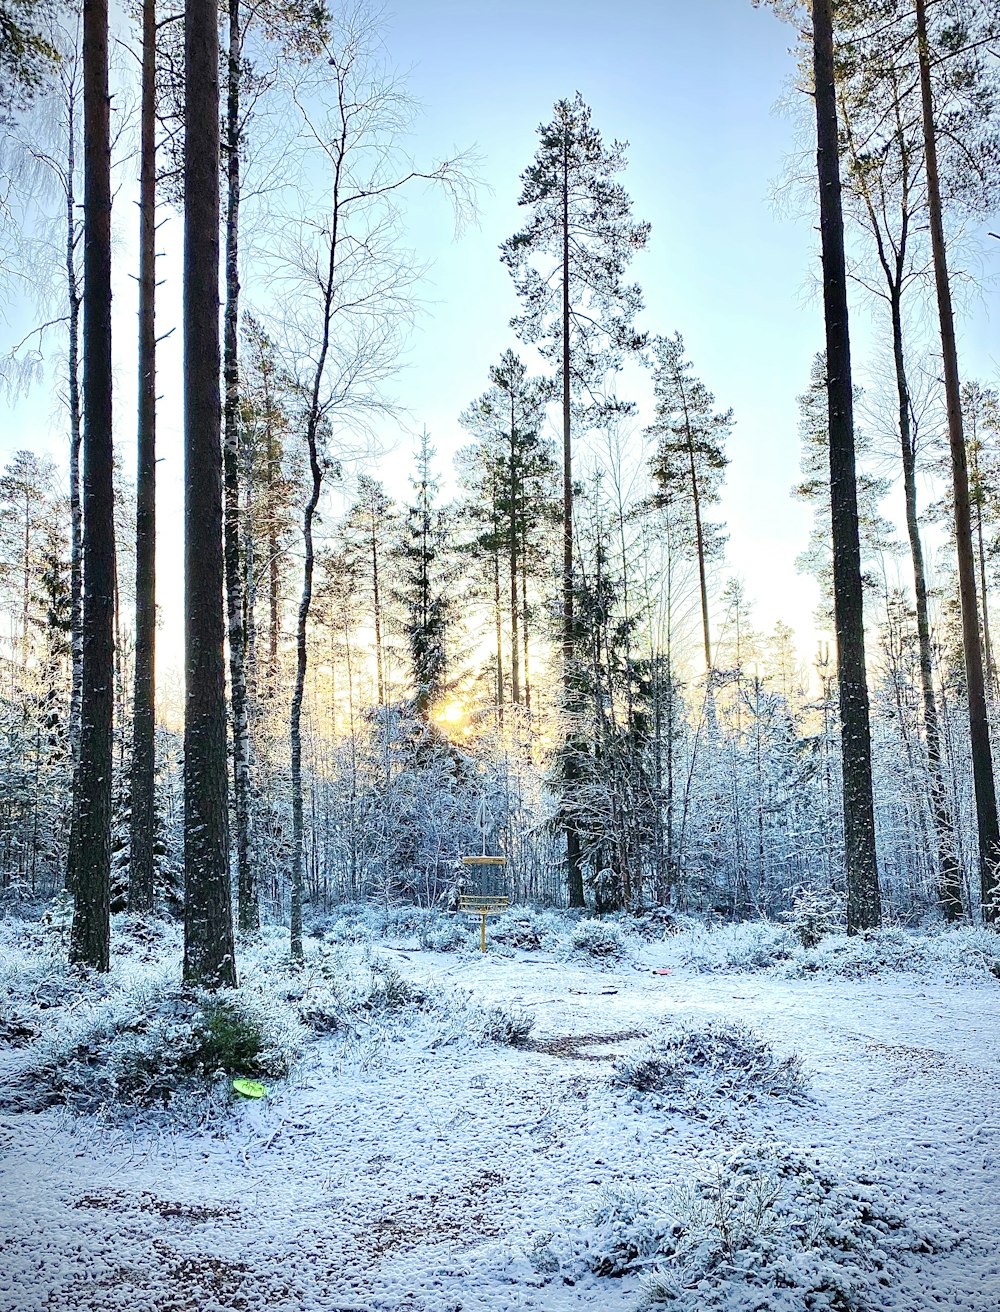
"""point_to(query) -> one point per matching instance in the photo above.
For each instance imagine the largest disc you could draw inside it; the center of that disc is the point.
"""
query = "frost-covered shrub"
(389, 991)
(598, 938)
(709, 1059)
(949, 953)
(658, 923)
(150, 1040)
(751, 945)
(449, 934)
(815, 913)
(526, 929)
(507, 1025)
(764, 1227)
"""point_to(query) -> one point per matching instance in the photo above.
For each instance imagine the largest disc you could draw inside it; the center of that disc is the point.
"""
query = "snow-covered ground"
(397, 1171)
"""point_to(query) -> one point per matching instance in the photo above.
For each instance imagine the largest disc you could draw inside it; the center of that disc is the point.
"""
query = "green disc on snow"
(249, 1088)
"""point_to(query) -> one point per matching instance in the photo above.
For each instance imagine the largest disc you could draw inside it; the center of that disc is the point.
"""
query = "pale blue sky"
(692, 85)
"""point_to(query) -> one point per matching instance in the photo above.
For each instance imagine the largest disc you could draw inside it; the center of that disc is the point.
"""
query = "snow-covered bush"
(598, 938)
(526, 929)
(389, 991)
(815, 913)
(949, 953)
(447, 934)
(691, 1062)
(507, 1025)
(149, 1040)
(750, 945)
(764, 1227)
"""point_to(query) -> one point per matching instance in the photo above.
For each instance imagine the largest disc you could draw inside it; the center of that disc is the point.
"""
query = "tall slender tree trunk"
(949, 873)
(209, 953)
(515, 670)
(574, 864)
(75, 503)
(143, 812)
(90, 942)
(982, 762)
(700, 544)
(273, 577)
(498, 623)
(524, 626)
(248, 910)
(295, 716)
(313, 420)
(864, 909)
(377, 607)
(990, 670)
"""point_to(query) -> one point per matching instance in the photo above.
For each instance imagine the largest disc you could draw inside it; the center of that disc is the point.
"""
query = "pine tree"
(423, 593)
(863, 897)
(568, 265)
(143, 816)
(209, 952)
(91, 933)
(510, 475)
(690, 459)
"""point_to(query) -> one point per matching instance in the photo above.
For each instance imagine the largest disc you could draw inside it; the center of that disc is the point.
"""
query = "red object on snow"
(663, 970)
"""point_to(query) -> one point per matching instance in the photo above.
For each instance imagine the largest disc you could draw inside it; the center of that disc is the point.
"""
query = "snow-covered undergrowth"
(691, 1063)
(135, 1038)
(750, 945)
(951, 953)
(763, 1228)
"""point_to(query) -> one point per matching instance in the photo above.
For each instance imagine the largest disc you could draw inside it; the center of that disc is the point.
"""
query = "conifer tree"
(209, 954)
(568, 264)
(90, 940)
(510, 475)
(863, 897)
(690, 459)
(423, 593)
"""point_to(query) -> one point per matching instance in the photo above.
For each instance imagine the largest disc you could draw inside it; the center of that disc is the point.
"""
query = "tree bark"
(91, 933)
(248, 910)
(574, 864)
(75, 505)
(863, 896)
(209, 955)
(982, 761)
(143, 812)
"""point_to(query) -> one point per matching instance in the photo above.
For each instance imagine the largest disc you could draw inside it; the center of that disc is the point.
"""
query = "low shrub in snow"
(526, 929)
(750, 945)
(694, 1061)
(506, 1025)
(950, 953)
(448, 934)
(598, 938)
(389, 991)
(764, 1229)
(149, 1040)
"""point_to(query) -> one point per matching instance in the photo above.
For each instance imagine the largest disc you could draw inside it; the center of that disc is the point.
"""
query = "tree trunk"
(143, 812)
(248, 911)
(515, 671)
(377, 607)
(982, 762)
(948, 871)
(295, 717)
(91, 932)
(574, 866)
(863, 897)
(209, 955)
(75, 505)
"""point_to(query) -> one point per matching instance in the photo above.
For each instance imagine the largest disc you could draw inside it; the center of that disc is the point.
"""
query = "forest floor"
(398, 1174)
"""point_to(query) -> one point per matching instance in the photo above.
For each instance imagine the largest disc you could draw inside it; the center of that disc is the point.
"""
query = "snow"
(398, 1170)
